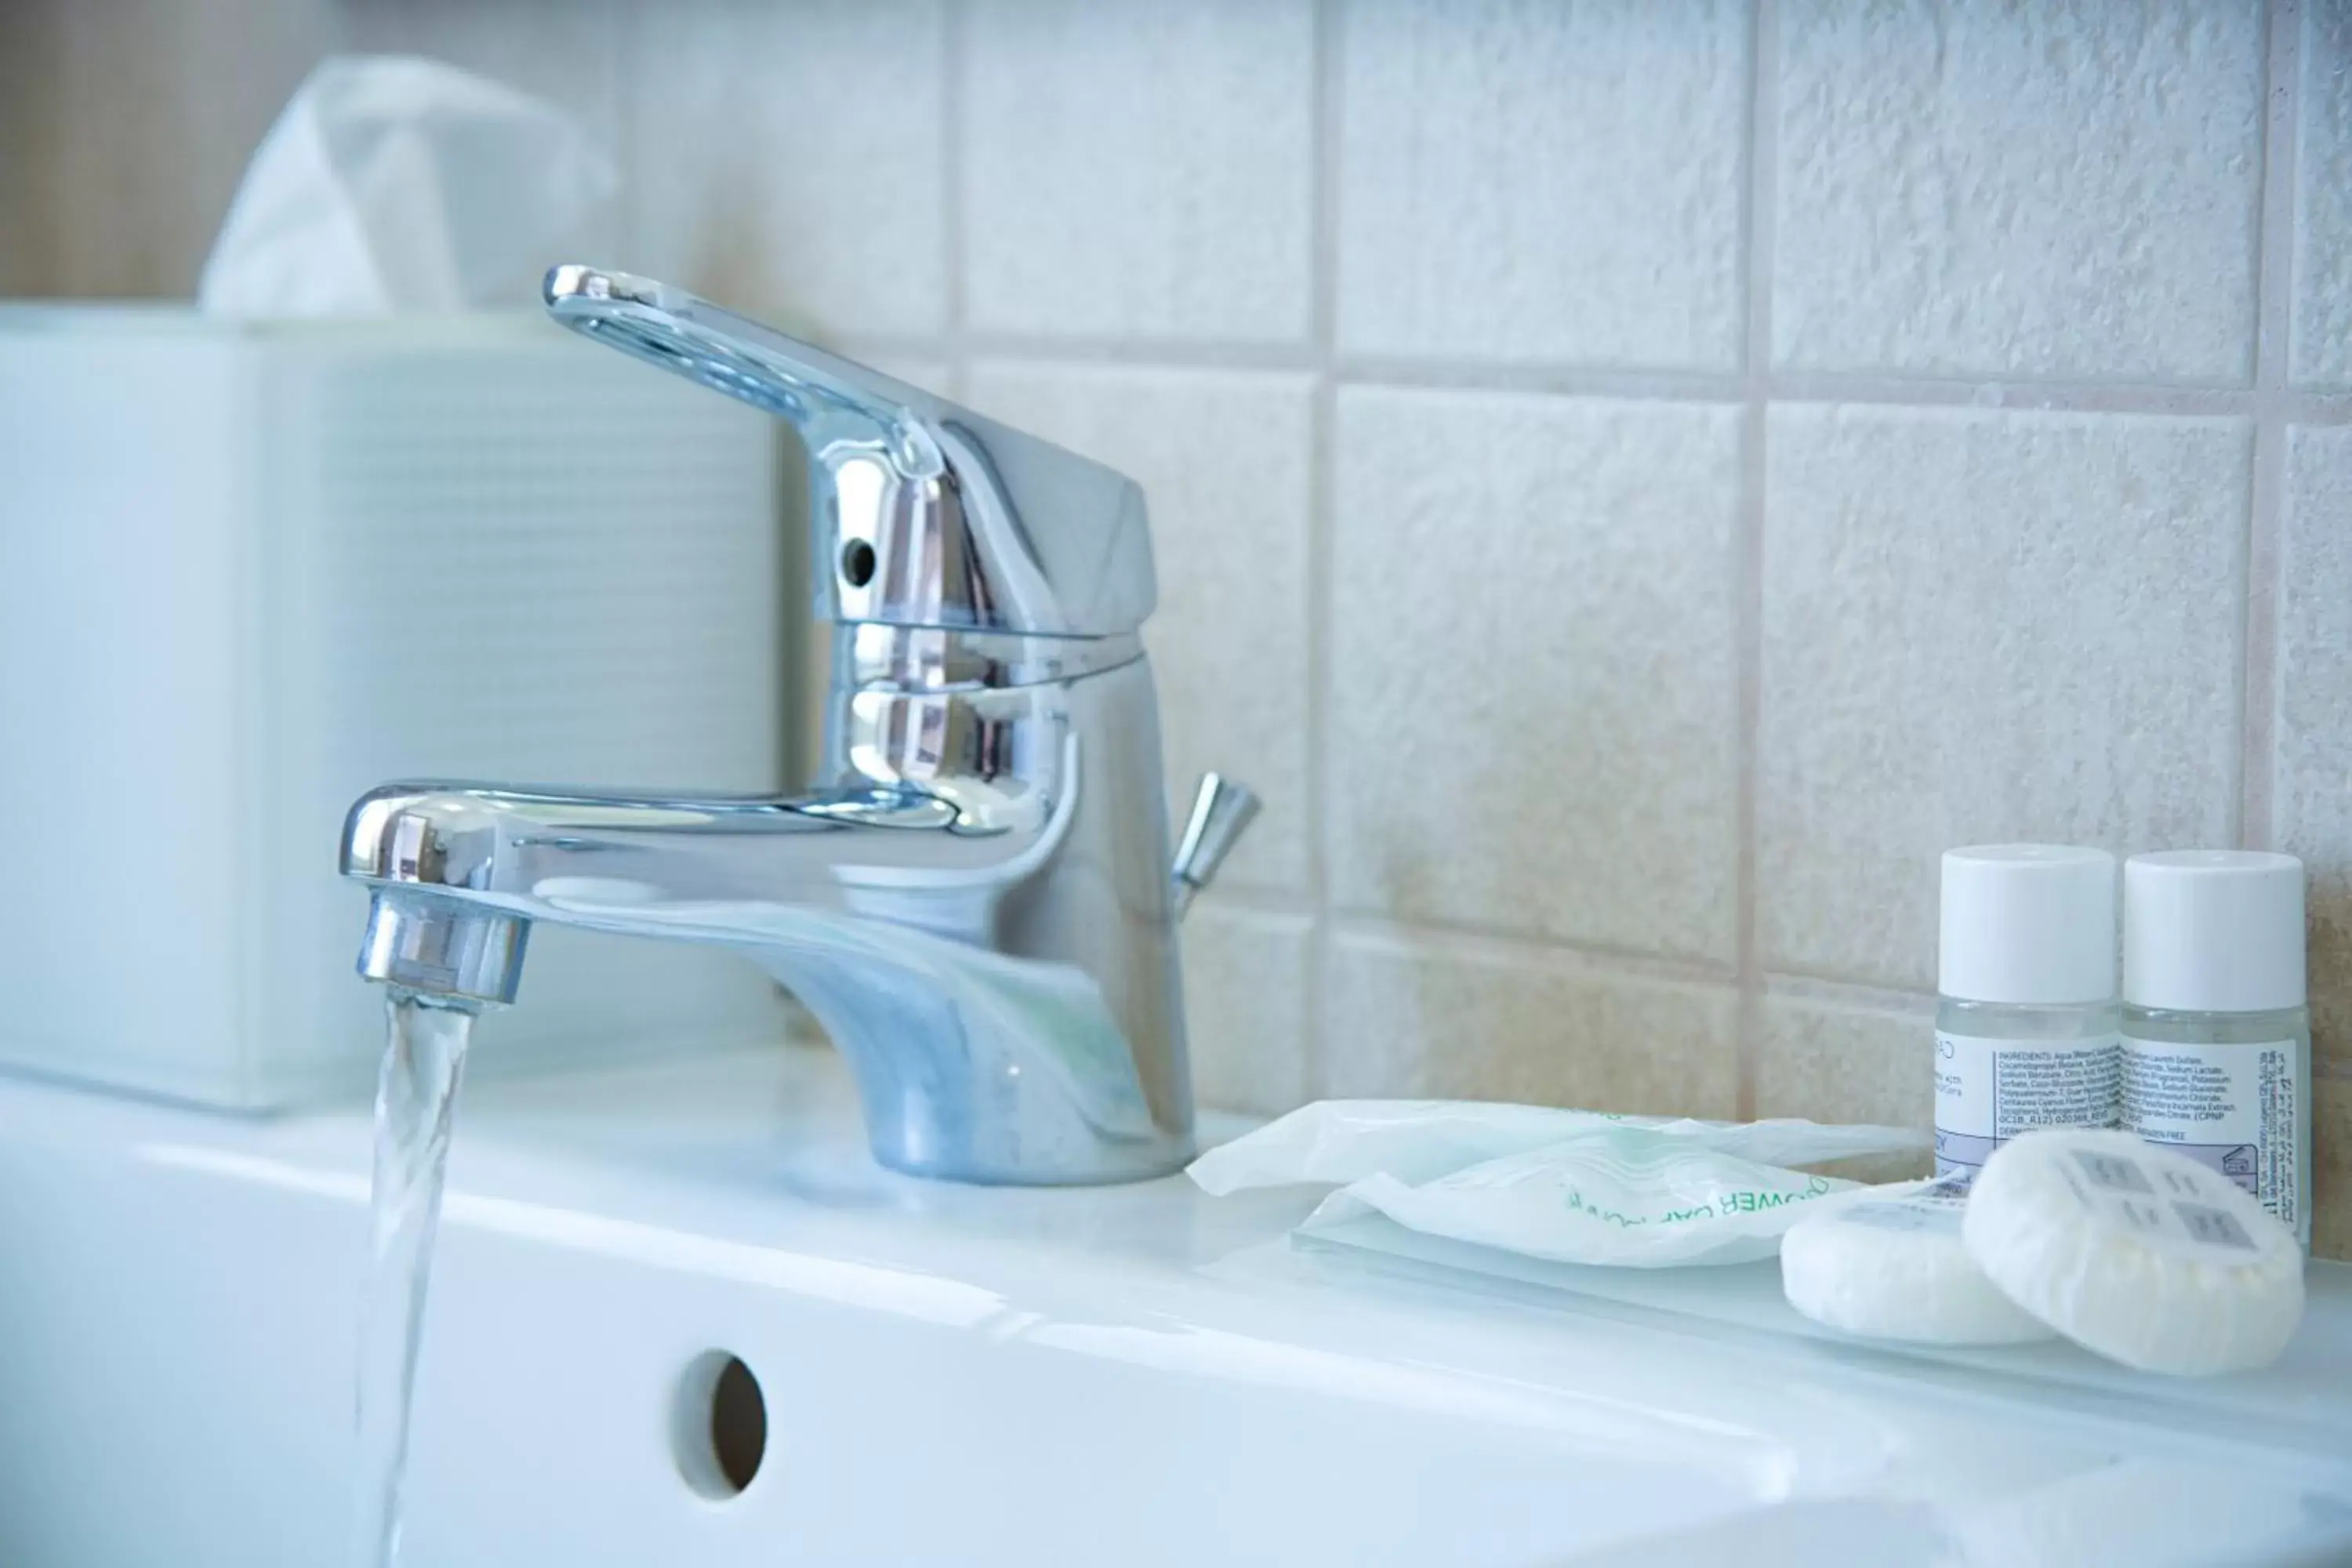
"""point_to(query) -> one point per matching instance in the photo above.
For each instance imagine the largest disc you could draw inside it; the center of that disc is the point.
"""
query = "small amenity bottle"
(2217, 1040)
(2026, 1018)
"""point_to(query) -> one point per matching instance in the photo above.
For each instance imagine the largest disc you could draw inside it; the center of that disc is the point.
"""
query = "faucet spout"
(991, 944)
(716, 867)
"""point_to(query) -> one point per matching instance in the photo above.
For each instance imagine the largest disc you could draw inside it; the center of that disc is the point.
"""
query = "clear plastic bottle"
(2027, 1016)
(2216, 1035)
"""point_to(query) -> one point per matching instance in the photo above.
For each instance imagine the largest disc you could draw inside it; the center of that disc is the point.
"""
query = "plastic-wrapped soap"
(1893, 1267)
(2135, 1252)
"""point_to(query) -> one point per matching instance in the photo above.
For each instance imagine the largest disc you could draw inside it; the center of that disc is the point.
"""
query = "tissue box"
(253, 570)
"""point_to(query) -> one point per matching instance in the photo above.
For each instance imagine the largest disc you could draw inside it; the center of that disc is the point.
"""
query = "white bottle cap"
(2032, 924)
(2213, 931)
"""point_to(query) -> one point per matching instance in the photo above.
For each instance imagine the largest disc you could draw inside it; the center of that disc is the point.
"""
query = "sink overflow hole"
(857, 563)
(718, 1430)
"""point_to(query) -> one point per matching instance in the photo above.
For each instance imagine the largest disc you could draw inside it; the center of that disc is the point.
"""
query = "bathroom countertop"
(731, 1147)
(683, 1187)
(725, 1138)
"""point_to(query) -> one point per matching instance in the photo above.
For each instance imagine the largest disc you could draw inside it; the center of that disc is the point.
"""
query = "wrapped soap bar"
(1571, 1186)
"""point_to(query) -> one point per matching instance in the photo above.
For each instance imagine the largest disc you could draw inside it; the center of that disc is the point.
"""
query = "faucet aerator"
(441, 947)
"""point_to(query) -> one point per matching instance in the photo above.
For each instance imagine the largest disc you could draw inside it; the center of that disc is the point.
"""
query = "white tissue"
(392, 183)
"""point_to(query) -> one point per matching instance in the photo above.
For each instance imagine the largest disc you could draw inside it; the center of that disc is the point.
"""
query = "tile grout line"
(955, 336)
(2258, 687)
(1992, 395)
(1323, 304)
(1521, 948)
(623, 40)
(2258, 667)
(1851, 996)
(1516, 945)
(1862, 388)
(1255, 899)
(1747, 587)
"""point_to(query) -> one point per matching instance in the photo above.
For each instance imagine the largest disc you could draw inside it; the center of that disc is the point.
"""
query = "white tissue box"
(253, 569)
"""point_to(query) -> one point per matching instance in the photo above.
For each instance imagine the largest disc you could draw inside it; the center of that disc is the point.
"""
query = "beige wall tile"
(1533, 715)
(1981, 627)
(149, 112)
(1543, 181)
(1841, 1058)
(2044, 190)
(1222, 460)
(2312, 785)
(1427, 1017)
(786, 160)
(27, 53)
(1145, 170)
(1245, 974)
(1829, 1057)
(2322, 326)
(2331, 1213)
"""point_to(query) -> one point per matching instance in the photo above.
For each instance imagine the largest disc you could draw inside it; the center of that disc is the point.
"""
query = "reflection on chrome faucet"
(976, 894)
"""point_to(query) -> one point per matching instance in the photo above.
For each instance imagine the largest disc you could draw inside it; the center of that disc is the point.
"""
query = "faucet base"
(1162, 1157)
(978, 1067)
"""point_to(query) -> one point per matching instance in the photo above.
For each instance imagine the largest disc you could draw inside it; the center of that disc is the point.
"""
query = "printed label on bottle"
(1987, 1091)
(2231, 1108)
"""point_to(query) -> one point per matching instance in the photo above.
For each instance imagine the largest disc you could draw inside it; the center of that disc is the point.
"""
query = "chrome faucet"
(976, 898)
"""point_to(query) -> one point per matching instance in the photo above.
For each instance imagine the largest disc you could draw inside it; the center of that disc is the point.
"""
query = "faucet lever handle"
(923, 513)
(1222, 809)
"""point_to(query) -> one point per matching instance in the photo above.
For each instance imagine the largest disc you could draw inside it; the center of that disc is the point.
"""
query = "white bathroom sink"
(1125, 1376)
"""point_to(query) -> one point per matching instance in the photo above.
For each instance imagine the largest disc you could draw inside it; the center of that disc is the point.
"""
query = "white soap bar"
(2135, 1252)
(1893, 1267)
